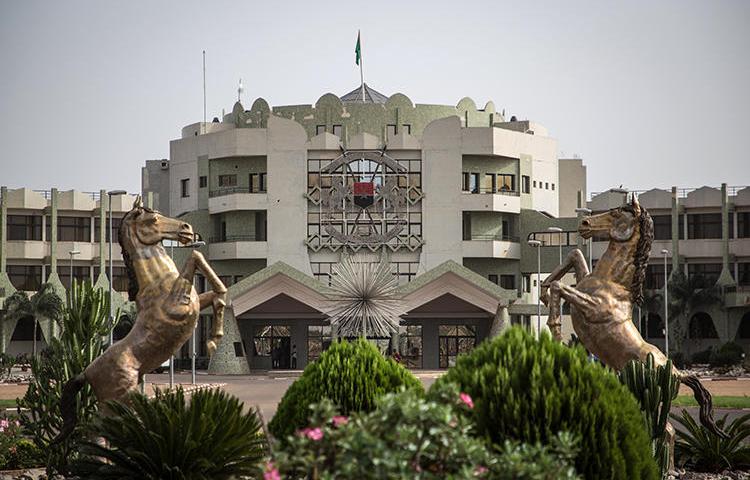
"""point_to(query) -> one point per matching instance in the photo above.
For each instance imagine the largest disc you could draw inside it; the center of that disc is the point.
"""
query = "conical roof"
(371, 96)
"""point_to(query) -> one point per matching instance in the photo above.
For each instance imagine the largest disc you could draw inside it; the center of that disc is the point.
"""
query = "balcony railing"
(230, 190)
(236, 238)
(501, 238)
(510, 193)
(683, 192)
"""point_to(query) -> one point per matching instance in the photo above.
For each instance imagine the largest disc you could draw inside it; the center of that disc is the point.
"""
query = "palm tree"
(45, 303)
(687, 294)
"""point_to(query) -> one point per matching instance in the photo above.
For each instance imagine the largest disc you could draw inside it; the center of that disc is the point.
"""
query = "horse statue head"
(631, 226)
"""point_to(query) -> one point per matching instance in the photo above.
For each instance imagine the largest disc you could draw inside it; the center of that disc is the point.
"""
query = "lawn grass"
(7, 402)
(720, 401)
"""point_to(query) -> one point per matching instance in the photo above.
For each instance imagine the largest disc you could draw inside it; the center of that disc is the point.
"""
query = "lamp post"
(559, 232)
(665, 252)
(193, 353)
(111, 194)
(70, 277)
(587, 211)
(538, 245)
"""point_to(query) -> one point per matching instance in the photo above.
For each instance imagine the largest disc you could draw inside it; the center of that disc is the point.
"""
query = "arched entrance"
(702, 327)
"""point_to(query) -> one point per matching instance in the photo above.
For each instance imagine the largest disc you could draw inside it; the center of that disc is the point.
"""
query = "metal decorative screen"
(364, 199)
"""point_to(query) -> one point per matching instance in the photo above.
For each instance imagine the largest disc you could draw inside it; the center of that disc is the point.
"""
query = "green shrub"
(16, 452)
(702, 357)
(727, 355)
(167, 437)
(350, 374)
(408, 436)
(654, 387)
(703, 450)
(530, 390)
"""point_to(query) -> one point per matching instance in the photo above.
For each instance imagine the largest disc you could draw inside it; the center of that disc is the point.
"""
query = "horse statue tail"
(705, 402)
(68, 406)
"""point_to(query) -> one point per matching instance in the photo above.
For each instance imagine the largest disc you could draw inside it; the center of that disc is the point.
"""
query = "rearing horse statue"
(601, 303)
(167, 303)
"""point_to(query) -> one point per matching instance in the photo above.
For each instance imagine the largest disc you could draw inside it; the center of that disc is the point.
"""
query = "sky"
(649, 94)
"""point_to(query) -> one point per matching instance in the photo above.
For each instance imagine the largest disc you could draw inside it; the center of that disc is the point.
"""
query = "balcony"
(236, 198)
(489, 201)
(27, 249)
(237, 247)
(492, 246)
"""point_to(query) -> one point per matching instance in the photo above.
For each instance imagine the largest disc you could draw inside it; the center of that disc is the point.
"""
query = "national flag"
(358, 51)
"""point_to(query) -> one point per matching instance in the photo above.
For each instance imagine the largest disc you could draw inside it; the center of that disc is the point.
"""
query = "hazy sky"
(647, 93)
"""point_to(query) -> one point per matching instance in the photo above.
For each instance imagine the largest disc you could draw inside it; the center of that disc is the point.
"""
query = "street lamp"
(665, 252)
(587, 211)
(198, 244)
(111, 194)
(559, 232)
(538, 245)
(70, 277)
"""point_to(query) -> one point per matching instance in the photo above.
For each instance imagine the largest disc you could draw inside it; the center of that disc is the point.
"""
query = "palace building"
(446, 194)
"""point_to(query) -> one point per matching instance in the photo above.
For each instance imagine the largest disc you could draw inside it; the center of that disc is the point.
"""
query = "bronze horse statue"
(168, 307)
(601, 303)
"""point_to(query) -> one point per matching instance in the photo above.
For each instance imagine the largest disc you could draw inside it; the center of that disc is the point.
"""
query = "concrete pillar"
(102, 281)
(225, 360)
(149, 200)
(500, 322)
(725, 279)
(675, 231)
(48, 327)
(6, 288)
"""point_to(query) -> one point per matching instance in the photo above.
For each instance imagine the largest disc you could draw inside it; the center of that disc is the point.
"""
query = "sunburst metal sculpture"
(363, 301)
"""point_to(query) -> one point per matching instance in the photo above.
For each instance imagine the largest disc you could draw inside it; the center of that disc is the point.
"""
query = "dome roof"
(371, 96)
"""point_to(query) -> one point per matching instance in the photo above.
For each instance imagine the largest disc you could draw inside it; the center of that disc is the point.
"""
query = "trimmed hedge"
(352, 375)
(727, 355)
(529, 390)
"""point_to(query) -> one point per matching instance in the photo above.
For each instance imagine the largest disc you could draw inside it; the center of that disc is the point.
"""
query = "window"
(466, 225)
(527, 282)
(202, 181)
(706, 273)
(488, 183)
(546, 185)
(115, 228)
(318, 340)
(534, 183)
(275, 342)
(71, 229)
(80, 274)
(474, 182)
(337, 130)
(24, 227)
(662, 227)
(743, 224)
(228, 180)
(406, 128)
(508, 282)
(506, 183)
(655, 276)
(390, 130)
(704, 225)
(465, 182)
(257, 182)
(453, 340)
(120, 276)
(260, 226)
(410, 345)
(553, 186)
(320, 129)
(185, 187)
(525, 181)
(493, 278)
(25, 277)
(743, 277)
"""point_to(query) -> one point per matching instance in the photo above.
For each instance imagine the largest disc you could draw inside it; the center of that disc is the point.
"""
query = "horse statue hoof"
(211, 347)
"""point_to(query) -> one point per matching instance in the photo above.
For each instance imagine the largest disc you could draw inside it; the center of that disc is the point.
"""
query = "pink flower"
(270, 472)
(480, 470)
(312, 433)
(18, 424)
(4, 423)
(466, 399)
(339, 420)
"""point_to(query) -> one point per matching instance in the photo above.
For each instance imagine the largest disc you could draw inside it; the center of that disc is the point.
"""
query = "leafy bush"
(407, 436)
(7, 362)
(84, 326)
(350, 374)
(654, 387)
(727, 355)
(702, 357)
(166, 437)
(706, 451)
(530, 390)
(16, 452)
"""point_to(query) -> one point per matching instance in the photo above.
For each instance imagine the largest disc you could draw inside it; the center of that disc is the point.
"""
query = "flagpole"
(361, 69)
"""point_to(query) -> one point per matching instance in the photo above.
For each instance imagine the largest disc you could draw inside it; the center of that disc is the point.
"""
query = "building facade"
(54, 237)
(445, 194)
(706, 235)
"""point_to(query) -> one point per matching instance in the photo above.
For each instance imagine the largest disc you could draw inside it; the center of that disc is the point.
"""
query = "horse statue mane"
(601, 303)
(167, 304)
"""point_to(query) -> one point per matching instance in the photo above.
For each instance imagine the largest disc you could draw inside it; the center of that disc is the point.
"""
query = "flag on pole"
(358, 51)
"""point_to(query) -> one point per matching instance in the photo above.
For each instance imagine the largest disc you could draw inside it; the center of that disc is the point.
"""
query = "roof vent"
(165, 164)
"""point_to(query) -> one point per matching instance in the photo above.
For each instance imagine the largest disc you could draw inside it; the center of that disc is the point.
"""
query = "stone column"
(102, 281)
(675, 231)
(6, 288)
(225, 360)
(725, 279)
(501, 321)
(48, 327)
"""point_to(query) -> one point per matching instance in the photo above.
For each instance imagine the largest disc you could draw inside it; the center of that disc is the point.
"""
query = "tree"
(45, 303)
(687, 294)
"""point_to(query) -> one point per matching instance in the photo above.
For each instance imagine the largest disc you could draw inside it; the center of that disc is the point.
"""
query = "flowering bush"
(15, 451)
(408, 436)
